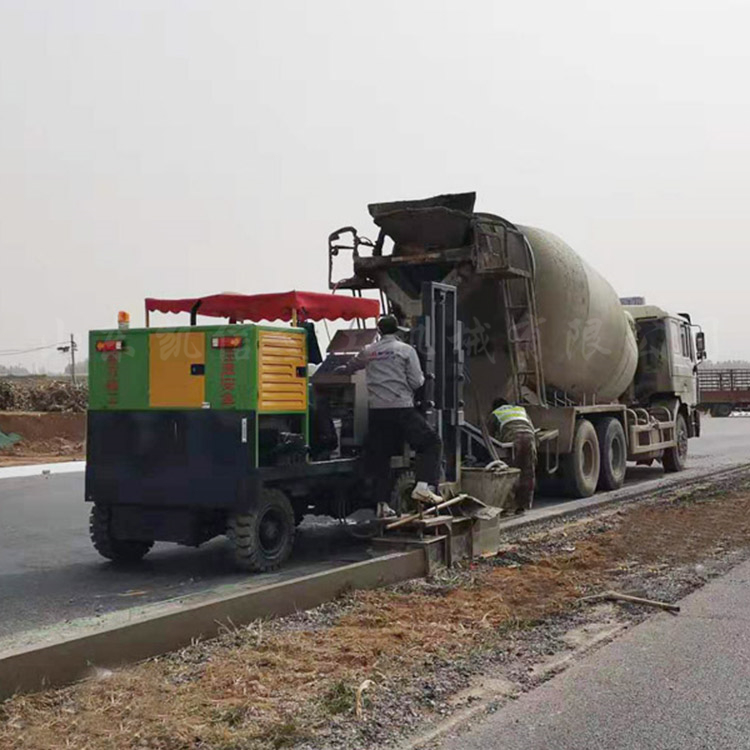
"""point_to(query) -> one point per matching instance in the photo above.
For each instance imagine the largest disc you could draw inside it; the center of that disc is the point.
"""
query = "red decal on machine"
(112, 384)
(227, 380)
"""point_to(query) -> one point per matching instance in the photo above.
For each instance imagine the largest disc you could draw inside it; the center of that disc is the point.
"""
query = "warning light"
(109, 346)
(123, 319)
(226, 342)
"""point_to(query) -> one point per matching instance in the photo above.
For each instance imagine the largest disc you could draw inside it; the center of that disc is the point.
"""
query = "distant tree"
(13, 370)
(82, 367)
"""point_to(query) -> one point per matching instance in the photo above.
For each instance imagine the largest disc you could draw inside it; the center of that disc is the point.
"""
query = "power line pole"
(73, 358)
(71, 347)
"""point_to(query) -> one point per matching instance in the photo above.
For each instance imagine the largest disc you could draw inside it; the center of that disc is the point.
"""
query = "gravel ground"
(412, 711)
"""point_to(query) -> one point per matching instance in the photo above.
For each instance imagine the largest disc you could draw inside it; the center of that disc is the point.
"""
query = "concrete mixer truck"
(604, 383)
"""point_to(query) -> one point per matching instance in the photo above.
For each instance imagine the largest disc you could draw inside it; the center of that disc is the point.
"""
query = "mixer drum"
(588, 346)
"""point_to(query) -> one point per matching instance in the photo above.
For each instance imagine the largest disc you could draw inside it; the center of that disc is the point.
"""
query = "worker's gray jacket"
(393, 372)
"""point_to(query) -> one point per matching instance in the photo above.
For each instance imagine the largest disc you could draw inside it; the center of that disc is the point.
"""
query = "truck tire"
(581, 466)
(613, 454)
(107, 545)
(675, 459)
(262, 539)
(721, 410)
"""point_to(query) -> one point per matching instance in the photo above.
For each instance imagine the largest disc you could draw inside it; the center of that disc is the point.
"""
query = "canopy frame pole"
(194, 313)
(147, 316)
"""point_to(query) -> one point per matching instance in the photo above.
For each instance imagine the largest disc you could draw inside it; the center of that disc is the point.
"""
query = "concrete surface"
(672, 683)
(49, 572)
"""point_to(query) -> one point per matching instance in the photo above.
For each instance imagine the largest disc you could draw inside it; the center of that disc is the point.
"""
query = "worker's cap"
(388, 324)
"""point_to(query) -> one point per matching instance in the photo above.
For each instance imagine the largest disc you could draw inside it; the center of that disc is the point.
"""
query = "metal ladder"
(524, 347)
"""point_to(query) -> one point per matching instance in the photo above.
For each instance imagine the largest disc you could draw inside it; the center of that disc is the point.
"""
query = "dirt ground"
(46, 437)
(414, 650)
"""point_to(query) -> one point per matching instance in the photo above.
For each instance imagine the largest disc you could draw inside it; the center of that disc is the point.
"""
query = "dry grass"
(251, 689)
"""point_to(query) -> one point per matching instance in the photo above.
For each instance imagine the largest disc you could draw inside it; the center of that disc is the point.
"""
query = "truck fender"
(694, 423)
(692, 416)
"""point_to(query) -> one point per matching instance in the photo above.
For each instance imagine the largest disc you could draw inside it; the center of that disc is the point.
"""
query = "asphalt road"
(669, 684)
(49, 572)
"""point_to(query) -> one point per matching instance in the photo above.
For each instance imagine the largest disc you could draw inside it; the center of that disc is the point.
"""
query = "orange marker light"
(123, 319)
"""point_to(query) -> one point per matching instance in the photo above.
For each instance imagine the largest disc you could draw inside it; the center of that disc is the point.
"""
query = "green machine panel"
(174, 368)
(118, 369)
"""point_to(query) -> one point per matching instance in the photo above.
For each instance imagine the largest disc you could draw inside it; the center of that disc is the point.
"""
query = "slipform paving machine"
(198, 431)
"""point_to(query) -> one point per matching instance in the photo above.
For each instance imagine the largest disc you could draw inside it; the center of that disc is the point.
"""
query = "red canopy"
(279, 306)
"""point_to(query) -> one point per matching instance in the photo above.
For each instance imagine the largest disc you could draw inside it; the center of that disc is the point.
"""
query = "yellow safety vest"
(509, 413)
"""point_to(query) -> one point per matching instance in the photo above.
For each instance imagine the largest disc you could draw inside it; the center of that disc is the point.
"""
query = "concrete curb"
(67, 660)
(33, 470)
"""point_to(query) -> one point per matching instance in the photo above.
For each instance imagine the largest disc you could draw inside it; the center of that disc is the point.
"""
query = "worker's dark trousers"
(521, 434)
(387, 430)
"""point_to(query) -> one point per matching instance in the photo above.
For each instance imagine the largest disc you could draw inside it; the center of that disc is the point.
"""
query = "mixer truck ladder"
(502, 251)
(522, 330)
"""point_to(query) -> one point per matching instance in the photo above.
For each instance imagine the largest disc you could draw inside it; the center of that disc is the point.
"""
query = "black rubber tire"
(613, 454)
(721, 410)
(117, 550)
(263, 539)
(581, 466)
(675, 459)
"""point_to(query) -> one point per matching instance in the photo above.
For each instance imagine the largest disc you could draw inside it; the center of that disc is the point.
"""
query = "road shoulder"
(671, 682)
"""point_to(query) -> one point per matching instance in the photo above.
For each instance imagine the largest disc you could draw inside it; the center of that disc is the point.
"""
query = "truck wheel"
(581, 466)
(613, 454)
(117, 550)
(721, 410)
(262, 539)
(675, 459)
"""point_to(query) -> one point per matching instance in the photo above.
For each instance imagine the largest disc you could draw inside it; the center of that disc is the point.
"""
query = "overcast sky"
(176, 148)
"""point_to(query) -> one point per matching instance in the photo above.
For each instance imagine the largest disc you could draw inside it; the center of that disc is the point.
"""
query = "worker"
(511, 424)
(393, 374)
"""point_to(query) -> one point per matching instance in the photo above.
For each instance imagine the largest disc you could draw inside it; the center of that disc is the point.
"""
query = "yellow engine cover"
(176, 376)
(282, 371)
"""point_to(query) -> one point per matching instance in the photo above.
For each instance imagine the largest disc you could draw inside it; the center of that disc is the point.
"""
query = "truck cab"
(668, 358)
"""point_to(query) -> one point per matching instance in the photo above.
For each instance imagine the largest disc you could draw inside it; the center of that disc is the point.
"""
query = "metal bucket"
(494, 488)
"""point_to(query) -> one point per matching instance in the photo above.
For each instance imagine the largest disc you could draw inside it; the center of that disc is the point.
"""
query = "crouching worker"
(393, 373)
(511, 424)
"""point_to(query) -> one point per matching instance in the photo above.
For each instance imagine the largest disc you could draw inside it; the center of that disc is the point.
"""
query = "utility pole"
(71, 347)
(73, 358)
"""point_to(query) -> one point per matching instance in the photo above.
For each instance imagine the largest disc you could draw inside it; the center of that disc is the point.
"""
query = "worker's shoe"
(425, 495)
(385, 511)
